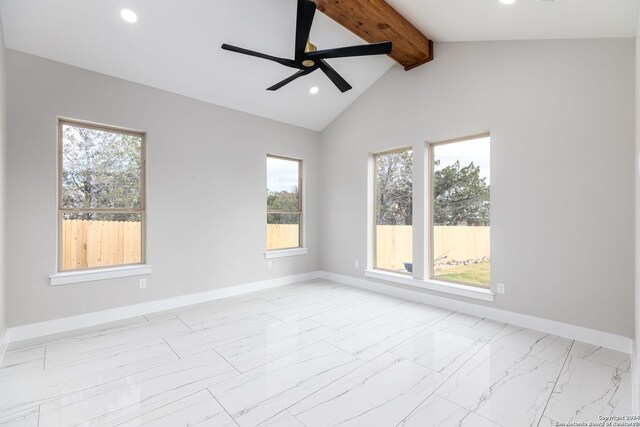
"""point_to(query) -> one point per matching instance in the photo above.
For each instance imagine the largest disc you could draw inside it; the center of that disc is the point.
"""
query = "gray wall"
(2, 185)
(206, 189)
(561, 116)
(636, 383)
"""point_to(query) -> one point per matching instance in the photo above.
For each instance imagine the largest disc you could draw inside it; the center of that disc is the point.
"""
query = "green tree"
(461, 197)
(100, 170)
(394, 189)
(283, 201)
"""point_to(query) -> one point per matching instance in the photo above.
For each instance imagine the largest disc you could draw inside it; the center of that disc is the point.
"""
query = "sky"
(473, 150)
(281, 174)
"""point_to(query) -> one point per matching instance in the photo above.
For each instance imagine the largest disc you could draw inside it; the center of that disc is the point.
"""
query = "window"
(284, 203)
(101, 206)
(460, 208)
(394, 211)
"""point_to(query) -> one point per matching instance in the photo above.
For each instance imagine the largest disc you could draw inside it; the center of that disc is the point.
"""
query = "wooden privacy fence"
(283, 236)
(461, 243)
(457, 243)
(87, 244)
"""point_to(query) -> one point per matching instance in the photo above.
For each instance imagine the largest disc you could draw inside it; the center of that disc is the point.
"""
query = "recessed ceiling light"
(129, 15)
(507, 1)
(314, 90)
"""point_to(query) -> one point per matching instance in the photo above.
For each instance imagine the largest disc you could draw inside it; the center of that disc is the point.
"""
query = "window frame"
(430, 209)
(300, 210)
(61, 210)
(376, 155)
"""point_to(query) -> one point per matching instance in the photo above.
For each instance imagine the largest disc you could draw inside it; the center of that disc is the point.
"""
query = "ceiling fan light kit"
(308, 58)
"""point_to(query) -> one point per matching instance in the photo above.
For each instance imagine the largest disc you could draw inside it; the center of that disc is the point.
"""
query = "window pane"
(92, 240)
(282, 185)
(100, 169)
(461, 206)
(394, 211)
(283, 203)
(283, 231)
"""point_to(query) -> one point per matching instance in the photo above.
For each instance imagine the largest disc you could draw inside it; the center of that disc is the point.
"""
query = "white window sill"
(99, 274)
(285, 253)
(432, 285)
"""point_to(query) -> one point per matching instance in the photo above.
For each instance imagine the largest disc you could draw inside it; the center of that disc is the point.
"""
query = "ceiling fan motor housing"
(310, 47)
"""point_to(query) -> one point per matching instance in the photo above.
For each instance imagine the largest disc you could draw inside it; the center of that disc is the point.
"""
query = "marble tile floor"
(311, 354)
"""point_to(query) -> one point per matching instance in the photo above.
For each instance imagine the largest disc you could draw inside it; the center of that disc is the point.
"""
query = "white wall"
(2, 186)
(636, 383)
(561, 117)
(206, 189)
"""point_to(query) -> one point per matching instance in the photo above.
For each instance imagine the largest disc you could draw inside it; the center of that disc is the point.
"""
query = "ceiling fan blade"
(289, 79)
(306, 12)
(343, 52)
(334, 76)
(283, 61)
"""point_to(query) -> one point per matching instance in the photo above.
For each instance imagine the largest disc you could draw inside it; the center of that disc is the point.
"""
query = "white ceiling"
(477, 20)
(175, 45)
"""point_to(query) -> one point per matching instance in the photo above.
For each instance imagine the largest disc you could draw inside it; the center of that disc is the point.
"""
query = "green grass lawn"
(474, 274)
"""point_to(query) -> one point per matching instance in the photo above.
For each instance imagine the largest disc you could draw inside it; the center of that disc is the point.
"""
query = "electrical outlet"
(356, 264)
(269, 265)
(501, 288)
(142, 283)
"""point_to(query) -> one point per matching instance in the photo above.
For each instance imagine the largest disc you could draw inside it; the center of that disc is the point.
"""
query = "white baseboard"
(591, 336)
(35, 330)
(4, 343)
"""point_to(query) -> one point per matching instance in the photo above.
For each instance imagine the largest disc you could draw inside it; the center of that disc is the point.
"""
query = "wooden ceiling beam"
(376, 21)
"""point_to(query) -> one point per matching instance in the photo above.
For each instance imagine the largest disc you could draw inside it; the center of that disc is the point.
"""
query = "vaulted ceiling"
(175, 45)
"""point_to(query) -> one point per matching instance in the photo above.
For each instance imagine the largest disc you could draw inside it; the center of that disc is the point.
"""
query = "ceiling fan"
(307, 56)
